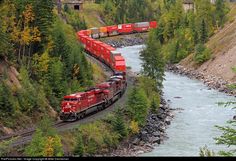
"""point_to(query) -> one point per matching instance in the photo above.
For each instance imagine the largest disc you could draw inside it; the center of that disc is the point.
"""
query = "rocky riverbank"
(211, 81)
(150, 136)
(126, 40)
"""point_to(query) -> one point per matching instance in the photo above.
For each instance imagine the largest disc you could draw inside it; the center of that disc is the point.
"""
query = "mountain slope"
(223, 46)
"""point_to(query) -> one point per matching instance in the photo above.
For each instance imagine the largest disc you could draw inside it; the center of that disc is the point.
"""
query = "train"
(77, 105)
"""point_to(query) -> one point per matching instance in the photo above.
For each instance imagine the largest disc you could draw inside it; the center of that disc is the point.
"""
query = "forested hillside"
(223, 47)
(41, 61)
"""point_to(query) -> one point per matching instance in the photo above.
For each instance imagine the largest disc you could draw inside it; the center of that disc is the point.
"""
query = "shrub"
(134, 127)
(202, 54)
(79, 148)
(119, 125)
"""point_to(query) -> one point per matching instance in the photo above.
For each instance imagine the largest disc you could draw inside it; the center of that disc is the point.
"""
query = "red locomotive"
(77, 105)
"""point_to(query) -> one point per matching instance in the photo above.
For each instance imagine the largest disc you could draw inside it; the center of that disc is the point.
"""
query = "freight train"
(78, 105)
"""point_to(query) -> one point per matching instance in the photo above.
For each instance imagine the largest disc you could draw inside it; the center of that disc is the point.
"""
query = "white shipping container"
(119, 27)
(142, 24)
(95, 30)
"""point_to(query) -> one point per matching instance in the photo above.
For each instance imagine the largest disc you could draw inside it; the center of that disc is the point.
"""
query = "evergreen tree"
(79, 148)
(137, 105)
(44, 16)
(6, 100)
(56, 79)
(66, 8)
(153, 62)
(119, 125)
(220, 12)
(173, 56)
(203, 32)
(154, 104)
(45, 141)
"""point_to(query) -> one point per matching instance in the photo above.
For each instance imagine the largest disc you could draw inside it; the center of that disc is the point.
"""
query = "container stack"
(103, 32)
(95, 32)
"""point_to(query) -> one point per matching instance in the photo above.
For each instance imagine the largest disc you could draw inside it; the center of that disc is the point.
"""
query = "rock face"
(211, 81)
(152, 134)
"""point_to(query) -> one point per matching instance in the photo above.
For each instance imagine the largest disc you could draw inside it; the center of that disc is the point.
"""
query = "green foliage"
(179, 32)
(36, 147)
(75, 21)
(79, 148)
(66, 8)
(221, 11)
(228, 137)
(128, 11)
(5, 148)
(153, 61)
(137, 105)
(31, 97)
(119, 125)
(7, 101)
(203, 32)
(202, 54)
(155, 104)
(97, 137)
(45, 141)
(205, 152)
(56, 79)
(44, 17)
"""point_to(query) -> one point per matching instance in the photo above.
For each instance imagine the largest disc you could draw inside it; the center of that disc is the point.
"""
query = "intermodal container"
(96, 48)
(125, 28)
(103, 32)
(120, 66)
(95, 32)
(141, 26)
(112, 30)
(153, 24)
(88, 44)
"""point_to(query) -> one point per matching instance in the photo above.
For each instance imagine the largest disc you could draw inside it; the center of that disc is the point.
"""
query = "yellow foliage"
(25, 37)
(28, 14)
(36, 35)
(43, 62)
(76, 69)
(27, 33)
(134, 127)
(49, 150)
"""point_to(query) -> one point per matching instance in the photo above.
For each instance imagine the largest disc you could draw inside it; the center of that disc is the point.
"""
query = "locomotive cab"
(69, 106)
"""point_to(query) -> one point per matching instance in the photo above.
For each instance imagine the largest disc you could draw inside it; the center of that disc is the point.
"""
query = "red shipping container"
(105, 51)
(112, 30)
(153, 24)
(83, 39)
(96, 48)
(88, 44)
(125, 28)
(120, 66)
(141, 26)
(108, 53)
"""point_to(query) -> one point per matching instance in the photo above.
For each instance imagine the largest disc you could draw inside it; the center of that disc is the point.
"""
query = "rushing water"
(193, 126)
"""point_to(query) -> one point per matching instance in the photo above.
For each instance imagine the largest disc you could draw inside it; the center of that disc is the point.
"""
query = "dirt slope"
(223, 45)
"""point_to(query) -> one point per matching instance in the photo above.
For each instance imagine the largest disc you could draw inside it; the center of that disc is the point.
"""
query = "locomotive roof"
(120, 63)
(117, 76)
(75, 95)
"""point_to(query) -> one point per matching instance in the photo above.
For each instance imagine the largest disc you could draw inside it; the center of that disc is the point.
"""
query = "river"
(193, 126)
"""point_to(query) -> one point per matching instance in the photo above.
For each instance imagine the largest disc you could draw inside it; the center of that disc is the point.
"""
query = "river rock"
(167, 121)
(136, 141)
